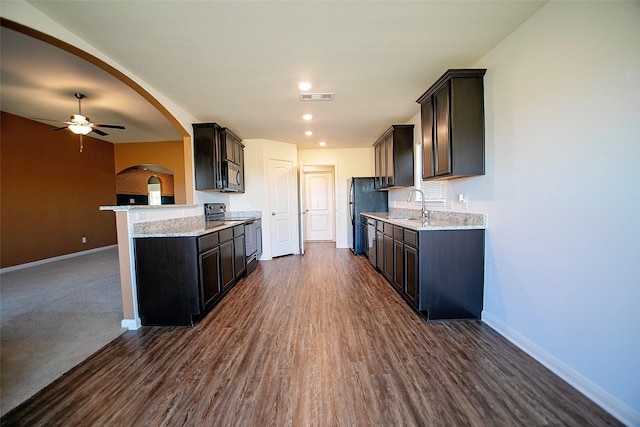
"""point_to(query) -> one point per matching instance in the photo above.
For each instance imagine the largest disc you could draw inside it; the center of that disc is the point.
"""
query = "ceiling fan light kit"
(81, 125)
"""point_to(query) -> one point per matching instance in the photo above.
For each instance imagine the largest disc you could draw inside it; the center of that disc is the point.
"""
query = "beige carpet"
(54, 316)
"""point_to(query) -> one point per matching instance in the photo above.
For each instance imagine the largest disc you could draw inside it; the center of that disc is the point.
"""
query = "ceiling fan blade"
(47, 120)
(99, 132)
(64, 127)
(108, 126)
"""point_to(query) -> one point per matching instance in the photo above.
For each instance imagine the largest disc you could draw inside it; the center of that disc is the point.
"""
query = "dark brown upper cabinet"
(452, 117)
(218, 159)
(393, 162)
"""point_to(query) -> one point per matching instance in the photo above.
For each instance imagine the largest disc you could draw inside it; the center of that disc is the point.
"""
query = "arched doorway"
(145, 185)
(76, 329)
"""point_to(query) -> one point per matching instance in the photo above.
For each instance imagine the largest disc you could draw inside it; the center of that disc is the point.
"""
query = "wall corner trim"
(131, 324)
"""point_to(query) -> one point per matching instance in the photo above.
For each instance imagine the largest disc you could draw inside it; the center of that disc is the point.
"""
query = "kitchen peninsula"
(165, 250)
(435, 261)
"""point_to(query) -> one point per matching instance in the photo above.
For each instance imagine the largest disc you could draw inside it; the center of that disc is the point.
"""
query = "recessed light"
(322, 143)
(308, 133)
(307, 116)
(304, 85)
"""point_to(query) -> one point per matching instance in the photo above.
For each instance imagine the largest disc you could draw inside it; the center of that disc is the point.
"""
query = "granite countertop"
(190, 226)
(435, 220)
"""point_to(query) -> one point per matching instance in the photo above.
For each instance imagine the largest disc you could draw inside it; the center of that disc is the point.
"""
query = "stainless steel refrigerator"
(362, 198)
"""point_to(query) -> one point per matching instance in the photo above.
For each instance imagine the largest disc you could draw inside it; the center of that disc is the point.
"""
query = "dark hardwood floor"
(314, 340)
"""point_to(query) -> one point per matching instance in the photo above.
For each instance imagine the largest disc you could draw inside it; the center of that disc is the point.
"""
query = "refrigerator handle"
(351, 204)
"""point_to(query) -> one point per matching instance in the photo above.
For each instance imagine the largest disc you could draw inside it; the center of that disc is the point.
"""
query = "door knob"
(273, 214)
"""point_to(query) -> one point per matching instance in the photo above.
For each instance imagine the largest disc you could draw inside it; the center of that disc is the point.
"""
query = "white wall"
(562, 192)
(349, 162)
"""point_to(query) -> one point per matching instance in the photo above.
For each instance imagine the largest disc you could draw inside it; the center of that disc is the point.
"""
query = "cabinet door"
(229, 149)
(442, 151)
(389, 170)
(206, 156)
(387, 269)
(239, 262)
(210, 277)
(377, 154)
(427, 118)
(240, 158)
(411, 274)
(227, 273)
(398, 262)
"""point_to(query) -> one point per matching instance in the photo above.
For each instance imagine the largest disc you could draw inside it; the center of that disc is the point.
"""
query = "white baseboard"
(131, 324)
(611, 404)
(57, 258)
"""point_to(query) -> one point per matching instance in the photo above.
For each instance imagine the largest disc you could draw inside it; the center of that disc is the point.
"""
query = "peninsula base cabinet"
(440, 273)
(180, 278)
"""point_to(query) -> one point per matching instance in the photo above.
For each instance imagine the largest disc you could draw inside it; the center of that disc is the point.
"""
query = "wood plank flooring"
(313, 340)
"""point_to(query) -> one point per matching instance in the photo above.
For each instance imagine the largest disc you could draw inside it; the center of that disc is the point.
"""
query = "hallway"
(319, 339)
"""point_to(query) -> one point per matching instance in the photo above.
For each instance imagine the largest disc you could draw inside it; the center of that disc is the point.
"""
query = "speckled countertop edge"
(436, 220)
(179, 227)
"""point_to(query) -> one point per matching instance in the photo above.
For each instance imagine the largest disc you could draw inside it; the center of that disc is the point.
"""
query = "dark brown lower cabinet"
(439, 272)
(387, 261)
(227, 258)
(411, 273)
(398, 271)
(210, 275)
(178, 279)
(239, 262)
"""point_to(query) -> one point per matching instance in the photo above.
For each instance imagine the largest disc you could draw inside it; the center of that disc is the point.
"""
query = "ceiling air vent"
(316, 97)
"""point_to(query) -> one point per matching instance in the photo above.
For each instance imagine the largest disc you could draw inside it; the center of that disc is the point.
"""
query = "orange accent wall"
(50, 193)
(169, 155)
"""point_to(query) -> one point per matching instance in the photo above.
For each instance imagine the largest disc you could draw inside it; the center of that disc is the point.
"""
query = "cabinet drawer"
(238, 230)
(208, 241)
(226, 234)
(388, 229)
(380, 226)
(411, 237)
(397, 232)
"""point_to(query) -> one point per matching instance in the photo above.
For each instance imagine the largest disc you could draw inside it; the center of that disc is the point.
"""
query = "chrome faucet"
(424, 208)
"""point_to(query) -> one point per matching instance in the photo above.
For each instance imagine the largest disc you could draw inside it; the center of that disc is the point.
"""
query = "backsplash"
(462, 218)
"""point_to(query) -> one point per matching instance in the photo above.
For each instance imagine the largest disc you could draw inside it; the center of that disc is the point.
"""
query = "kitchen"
(538, 306)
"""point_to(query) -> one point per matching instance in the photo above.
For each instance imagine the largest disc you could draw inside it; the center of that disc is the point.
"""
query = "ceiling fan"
(81, 125)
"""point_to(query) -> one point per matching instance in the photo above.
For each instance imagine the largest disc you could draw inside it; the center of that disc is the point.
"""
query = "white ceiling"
(238, 62)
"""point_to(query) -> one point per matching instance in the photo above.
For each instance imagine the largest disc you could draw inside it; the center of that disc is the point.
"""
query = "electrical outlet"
(84, 239)
(464, 201)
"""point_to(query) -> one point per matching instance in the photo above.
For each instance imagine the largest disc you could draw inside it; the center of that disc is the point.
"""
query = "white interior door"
(301, 211)
(284, 208)
(319, 206)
